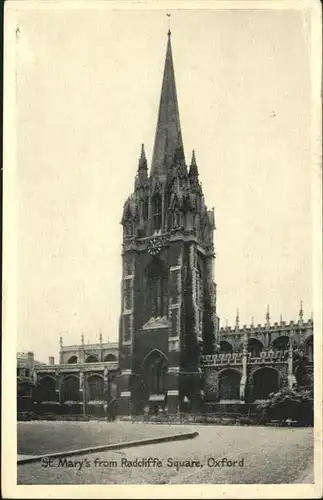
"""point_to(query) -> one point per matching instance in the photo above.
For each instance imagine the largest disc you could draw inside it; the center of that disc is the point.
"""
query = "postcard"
(162, 237)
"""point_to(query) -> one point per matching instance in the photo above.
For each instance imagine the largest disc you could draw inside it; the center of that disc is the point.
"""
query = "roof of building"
(22, 358)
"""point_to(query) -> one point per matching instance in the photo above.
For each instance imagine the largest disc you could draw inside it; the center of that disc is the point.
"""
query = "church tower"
(168, 314)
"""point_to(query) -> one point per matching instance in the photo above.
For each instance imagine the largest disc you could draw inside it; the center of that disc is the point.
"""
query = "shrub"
(24, 416)
(294, 404)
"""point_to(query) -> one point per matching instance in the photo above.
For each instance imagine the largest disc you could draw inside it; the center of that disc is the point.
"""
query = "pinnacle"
(193, 160)
(142, 152)
(193, 167)
(237, 319)
(142, 160)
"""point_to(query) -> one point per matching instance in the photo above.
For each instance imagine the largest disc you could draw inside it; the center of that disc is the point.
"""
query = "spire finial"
(100, 337)
(82, 339)
(168, 146)
(237, 319)
(169, 31)
(252, 321)
(281, 319)
(61, 341)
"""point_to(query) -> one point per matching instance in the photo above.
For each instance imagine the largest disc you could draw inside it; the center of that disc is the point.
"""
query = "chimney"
(51, 360)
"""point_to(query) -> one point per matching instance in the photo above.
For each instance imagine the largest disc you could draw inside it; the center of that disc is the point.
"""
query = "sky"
(87, 93)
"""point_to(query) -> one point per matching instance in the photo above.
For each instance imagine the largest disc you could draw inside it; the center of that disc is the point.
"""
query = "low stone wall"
(199, 418)
(231, 409)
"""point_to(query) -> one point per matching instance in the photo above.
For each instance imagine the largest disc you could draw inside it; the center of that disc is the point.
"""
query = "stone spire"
(142, 173)
(142, 165)
(193, 166)
(193, 172)
(168, 138)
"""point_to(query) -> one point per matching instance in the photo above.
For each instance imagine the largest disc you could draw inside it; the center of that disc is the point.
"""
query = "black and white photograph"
(162, 288)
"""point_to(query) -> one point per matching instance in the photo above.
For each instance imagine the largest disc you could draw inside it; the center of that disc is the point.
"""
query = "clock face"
(154, 246)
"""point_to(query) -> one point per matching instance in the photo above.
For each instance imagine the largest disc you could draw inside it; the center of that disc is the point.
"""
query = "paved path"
(262, 455)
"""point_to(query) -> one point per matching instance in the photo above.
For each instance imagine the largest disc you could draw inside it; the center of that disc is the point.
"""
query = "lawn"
(40, 437)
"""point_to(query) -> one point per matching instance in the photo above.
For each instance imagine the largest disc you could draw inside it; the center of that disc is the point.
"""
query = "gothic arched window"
(177, 219)
(199, 297)
(128, 228)
(155, 372)
(156, 289)
(157, 212)
(145, 209)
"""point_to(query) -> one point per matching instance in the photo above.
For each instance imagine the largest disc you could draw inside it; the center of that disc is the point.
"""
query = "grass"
(41, 437)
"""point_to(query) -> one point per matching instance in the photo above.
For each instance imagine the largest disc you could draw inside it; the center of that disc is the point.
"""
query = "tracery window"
(199, 298)
(156, 369)
(127, 263)
(127, 295)
(96, 388)
(156, 289)
(254, 347)
(157, 212)
(145, 209)
(129, 228)
(177, 219)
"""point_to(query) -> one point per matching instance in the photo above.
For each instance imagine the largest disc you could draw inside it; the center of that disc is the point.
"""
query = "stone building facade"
(84, 378)
(250, 362)
(168, 294)
(27, 367)
(172, 351)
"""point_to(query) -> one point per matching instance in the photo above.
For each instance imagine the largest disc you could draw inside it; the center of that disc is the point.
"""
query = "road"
(220, 454)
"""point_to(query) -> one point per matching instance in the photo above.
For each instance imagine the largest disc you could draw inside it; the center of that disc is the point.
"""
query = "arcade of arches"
(70, 390)
(93, 359)
(46, 390)
(309, 348)
(261, 383)
(264, 381)
(229, 385)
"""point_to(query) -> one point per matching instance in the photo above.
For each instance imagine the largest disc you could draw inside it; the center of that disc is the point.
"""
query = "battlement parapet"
(259, 328)
(77, 367)
(235, 358)
(86, 347)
